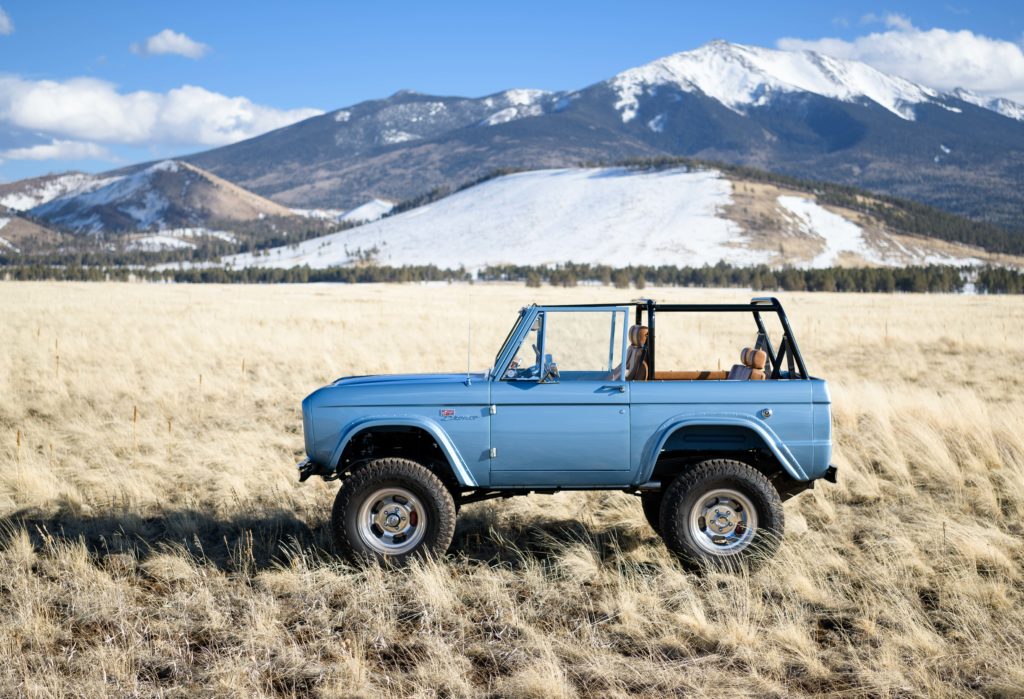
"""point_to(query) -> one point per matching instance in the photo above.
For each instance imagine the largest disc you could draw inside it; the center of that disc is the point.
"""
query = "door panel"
(563, 430)
(563, 419)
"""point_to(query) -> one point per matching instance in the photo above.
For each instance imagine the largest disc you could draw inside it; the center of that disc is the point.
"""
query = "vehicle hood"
(402, 390)
(407, 379)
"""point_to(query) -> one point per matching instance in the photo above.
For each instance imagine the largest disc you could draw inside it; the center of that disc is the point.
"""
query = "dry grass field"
(154, 540)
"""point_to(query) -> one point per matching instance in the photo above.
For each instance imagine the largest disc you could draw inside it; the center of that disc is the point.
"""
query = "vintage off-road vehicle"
(577, 400)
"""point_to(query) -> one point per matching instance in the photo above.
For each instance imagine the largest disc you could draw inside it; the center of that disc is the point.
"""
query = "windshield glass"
(508, 337)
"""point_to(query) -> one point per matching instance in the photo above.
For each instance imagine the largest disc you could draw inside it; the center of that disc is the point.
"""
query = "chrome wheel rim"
(723, 522)
(392, 521)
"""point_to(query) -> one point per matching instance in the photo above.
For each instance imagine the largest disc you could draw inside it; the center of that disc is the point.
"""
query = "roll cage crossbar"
(787, 355)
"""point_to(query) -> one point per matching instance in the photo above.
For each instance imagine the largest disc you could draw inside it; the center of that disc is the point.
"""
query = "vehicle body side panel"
(659, 408)
(450, 408)
(560, 430)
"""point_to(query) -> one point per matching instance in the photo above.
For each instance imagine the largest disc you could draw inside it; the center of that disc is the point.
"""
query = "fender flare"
(767, 435)
(459, 469)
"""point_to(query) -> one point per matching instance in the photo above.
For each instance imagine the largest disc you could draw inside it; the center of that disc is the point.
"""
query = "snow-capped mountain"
(741, 77)
(796, 112)
(618, 217)
(168, 194)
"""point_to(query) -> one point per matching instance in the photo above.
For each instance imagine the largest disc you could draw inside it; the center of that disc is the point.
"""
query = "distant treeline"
(249, 275)
(934, 278)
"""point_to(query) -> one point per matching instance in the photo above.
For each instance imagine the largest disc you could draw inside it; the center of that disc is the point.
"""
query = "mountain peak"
(741, 77)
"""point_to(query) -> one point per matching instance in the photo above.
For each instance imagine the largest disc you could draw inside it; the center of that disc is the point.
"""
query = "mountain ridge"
(798, 113)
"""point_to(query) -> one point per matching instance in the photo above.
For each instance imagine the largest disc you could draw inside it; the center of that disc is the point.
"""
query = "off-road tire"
(435, 498)
(684, 494)
(650, 503)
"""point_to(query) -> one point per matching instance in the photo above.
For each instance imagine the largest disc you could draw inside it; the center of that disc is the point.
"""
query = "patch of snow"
(839, 235)
(512, 113)
(563, 102)
(748, 76)
(524, 97)
(4, 243)
(391, 136)
(4, 222)
(501, 117)
(609, 216)
(157, 242)
(322, 214)
(199, 232)
(342, 115)
(657, 124)
(370, 211)
(150, 211)
(944, 149)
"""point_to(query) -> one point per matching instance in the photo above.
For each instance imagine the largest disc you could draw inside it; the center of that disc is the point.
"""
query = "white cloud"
(93, 110)
(934, 57)
(6, 25)
(171, 42)
(891, 20)
(58, 150)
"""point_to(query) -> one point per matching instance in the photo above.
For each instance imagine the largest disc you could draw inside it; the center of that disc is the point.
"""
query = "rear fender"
(762, 431)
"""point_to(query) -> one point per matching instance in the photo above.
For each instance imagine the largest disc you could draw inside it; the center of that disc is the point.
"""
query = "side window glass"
(584, 345)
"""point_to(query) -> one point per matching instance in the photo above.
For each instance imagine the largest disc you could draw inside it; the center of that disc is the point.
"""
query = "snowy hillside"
(169, 194)
(27, 194)
(610, 216)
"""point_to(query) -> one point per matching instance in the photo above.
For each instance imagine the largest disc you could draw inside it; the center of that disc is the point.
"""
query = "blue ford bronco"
(577, 399)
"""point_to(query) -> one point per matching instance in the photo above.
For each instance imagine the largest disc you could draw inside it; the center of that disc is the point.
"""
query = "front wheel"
(723, 513)
(392, 510)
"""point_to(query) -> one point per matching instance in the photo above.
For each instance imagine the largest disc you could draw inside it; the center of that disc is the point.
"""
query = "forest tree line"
(932, 278)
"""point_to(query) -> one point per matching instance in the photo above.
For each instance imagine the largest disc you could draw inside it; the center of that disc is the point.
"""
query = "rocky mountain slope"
(169, 194)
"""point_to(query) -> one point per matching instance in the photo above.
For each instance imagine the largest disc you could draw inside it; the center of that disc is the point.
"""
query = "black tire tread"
(393, 469)
(769, 534)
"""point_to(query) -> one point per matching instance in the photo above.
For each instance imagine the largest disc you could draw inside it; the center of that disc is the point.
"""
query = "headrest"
(638, 335)
(753, 358)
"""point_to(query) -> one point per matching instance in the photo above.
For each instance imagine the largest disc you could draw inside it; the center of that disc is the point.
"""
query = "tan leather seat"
(751, 367)
(636, 367)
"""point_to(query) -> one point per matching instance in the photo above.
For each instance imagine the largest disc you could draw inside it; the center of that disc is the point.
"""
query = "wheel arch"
(718, 435)
(457, 469)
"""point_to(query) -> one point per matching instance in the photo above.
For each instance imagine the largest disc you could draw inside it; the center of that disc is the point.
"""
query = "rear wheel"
(723, 513)
(392, 510)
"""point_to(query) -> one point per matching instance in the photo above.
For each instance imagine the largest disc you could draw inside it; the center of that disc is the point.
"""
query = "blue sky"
(95, 85)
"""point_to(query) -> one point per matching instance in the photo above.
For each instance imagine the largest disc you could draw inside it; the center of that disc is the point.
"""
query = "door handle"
(621, 388)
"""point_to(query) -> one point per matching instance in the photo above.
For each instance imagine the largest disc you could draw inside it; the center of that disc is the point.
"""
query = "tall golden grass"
(155, 541)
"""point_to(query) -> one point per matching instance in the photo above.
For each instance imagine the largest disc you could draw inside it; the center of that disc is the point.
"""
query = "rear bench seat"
(691, 375)
(751, 368)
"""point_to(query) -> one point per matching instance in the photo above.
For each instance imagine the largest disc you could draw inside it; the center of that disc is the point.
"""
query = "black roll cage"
(787, 353)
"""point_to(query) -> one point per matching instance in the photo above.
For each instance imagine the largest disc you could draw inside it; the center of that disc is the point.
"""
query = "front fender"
(462, 474)
(771, 440)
